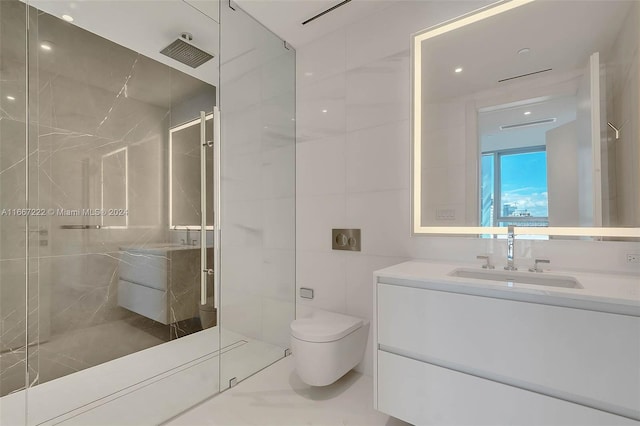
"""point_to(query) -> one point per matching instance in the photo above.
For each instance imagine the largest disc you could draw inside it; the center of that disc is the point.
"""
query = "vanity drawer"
(145, 301)
(577, 355)
(424, 394)
(147, 269)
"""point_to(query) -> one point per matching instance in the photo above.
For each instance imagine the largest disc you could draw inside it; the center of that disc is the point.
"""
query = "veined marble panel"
(90, 100)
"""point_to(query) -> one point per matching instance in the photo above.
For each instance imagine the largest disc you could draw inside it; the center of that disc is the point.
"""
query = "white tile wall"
(377, 158)
(325, 272)
(315, 217)
(368, 108)
(321, 59)
(353, 166)
(315, 178)
(321, 109)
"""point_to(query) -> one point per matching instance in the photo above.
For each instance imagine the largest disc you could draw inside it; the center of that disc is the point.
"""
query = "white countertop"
(612, 293)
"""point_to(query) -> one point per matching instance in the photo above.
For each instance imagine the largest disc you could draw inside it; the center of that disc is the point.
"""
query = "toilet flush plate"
(345, 239)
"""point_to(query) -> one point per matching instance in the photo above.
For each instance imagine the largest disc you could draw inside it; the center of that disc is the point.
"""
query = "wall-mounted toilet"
(326, 345)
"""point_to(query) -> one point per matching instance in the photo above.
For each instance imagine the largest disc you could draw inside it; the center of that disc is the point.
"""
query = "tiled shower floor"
(146, 387)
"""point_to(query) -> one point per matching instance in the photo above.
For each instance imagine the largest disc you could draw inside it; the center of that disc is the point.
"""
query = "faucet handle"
(536, 268)
(488, 264)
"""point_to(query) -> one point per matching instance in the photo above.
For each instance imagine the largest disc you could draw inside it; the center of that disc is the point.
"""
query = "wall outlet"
(445, 214)
(633, 258)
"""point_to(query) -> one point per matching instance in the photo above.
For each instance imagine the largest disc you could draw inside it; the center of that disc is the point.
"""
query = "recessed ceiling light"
(458, 70)
(524, 51)
(324, 110)
(45, 46)
(67, 18)
(11, 98)
(527, 113)
(308, 74)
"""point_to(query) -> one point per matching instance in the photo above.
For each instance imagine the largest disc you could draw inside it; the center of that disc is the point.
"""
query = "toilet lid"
(324, 327)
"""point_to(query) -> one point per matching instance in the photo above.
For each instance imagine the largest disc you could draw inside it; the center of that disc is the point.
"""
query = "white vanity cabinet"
(161, 282)
(447, 354)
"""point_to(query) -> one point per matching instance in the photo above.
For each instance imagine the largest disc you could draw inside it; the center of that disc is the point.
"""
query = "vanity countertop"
(604, 292)
(159, 248)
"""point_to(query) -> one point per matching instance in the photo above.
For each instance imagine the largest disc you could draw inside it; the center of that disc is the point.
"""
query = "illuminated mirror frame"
(171, 132)
(416, 137)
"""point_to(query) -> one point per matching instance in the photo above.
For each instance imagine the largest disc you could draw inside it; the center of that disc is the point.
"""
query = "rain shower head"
(185, 52)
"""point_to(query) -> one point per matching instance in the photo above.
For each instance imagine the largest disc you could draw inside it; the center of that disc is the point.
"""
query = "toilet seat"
(324, 327)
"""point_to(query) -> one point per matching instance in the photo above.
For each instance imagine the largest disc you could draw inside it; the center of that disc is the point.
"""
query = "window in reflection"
(514, 188)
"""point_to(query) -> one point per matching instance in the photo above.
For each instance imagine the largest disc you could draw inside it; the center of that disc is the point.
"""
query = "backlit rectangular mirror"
(184, 175)
(526, 113)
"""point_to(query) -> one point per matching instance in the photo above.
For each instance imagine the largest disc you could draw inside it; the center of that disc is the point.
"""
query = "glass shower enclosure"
(147, 206)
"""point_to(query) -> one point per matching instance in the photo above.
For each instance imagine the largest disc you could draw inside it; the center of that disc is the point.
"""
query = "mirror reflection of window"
(523, 188)
(519, 196)
(525, 156)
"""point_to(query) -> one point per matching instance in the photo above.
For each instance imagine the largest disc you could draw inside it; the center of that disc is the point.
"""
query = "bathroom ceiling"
(135, 25)
(285, 17)
(488, 51)
(145, 29)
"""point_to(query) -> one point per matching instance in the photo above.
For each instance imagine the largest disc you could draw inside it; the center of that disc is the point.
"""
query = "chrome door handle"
(217, 209)
(203, 207)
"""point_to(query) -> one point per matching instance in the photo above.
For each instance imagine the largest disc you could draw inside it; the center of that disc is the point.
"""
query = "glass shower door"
(257, 105)
(119, 248)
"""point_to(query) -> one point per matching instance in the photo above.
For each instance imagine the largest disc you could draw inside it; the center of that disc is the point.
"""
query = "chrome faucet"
(510, 247)
(537, 268)
(487, 259)
(190, 241)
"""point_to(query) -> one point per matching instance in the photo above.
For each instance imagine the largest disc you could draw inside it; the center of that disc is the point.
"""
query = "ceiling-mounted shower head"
(185, 52)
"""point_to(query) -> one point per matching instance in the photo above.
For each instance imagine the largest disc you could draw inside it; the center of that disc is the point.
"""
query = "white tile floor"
(143, 388)
(276, 396)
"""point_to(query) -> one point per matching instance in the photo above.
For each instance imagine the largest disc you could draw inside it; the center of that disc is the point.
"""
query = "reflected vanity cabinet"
(162, 284)
(443, 357)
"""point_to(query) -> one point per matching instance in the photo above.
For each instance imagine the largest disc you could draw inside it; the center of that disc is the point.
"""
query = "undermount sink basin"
(516, 277)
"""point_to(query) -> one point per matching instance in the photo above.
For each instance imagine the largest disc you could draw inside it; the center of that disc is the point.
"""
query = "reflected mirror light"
(184, 174)
(114, 188)
(483, 161)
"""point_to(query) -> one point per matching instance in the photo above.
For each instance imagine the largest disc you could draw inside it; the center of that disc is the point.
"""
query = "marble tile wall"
(13, 273)
(89, 98)
(353, 166)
